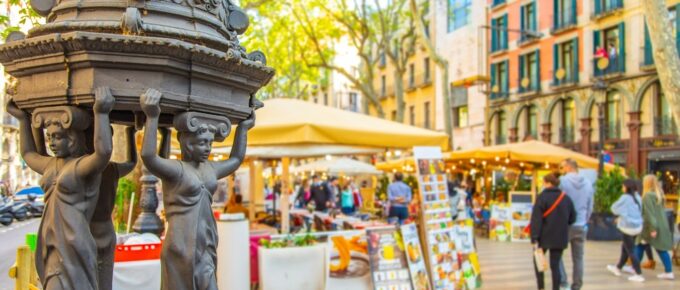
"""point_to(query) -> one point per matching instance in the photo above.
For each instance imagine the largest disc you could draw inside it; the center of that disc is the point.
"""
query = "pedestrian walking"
(304, 194)
(628, 208)
(581, 193)
(321, 195)
(655, 229)
(550, 219)
(399, 195)
(347, 199)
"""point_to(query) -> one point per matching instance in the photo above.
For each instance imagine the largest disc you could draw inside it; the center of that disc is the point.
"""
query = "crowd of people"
(330, 194)
(559, 220)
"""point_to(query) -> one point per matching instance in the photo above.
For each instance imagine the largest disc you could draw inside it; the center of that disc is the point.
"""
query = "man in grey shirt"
(581, 192)
(399, 195)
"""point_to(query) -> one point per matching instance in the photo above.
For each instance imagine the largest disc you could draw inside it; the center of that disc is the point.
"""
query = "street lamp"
(600, 86)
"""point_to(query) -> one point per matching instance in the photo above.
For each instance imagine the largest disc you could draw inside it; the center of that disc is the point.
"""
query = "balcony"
(665, 125)
(564, 21)
(568, 80)
(615, 68)
(604, 8)
(647, 62)
(499, 96)
(567, 135)
(533, 87)
(497, 3)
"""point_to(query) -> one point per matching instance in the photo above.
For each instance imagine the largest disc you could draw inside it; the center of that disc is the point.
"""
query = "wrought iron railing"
(665, 125)
(567, 135)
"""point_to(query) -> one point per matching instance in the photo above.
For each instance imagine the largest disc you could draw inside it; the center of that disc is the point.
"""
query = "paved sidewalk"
(509, 266)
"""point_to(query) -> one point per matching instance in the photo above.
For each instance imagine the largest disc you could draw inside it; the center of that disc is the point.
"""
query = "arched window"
(613, 115)
(501, 128)
(567, 121)
(531, 122)
(664, 123)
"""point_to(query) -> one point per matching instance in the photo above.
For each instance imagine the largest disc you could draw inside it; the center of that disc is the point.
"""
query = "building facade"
(454, 28)
(561, 70)
(335, 89)
(458, 26)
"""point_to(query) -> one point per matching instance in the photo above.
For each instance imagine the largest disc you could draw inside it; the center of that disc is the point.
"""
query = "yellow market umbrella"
(288, 121)
(530, 152)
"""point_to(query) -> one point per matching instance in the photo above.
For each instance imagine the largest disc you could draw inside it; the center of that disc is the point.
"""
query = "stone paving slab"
(509, 266)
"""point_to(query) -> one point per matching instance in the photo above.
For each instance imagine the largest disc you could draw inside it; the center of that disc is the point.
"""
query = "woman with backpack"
(551, 217)
(655, 230)
(628, 208)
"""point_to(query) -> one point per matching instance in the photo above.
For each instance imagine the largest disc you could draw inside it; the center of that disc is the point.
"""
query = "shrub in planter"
(602, 225)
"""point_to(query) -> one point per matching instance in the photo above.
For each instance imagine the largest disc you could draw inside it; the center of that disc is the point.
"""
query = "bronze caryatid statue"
(189, 257)
(66, 254)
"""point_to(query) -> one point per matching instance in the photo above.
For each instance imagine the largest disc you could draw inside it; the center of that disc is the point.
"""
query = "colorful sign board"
(415, 258)
(389, 269)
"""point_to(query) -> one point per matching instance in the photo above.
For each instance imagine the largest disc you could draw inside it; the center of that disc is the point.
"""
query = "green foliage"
(27, 17)
(607, 190)
(412, 182)
(289, 241)
(122, 206)
(381, 191)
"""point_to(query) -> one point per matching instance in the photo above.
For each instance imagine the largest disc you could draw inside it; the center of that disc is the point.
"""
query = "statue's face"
(58, 140)
(199, 145)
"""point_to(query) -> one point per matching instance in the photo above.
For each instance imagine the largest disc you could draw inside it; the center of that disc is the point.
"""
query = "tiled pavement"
(509, 266)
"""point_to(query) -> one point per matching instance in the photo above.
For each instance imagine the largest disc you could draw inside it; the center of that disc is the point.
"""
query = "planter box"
(300, 268)
(602, 227)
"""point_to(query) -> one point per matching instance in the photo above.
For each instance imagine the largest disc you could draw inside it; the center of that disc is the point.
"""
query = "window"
(610, 49)
(382, 86)
(325, 99)
(565, 14)
(566, 63)
(412, 115)
(411, 76)
(501, 128)
(394, 115)
(460, 117)
(427, 69)
(459, 12)
(529, 78)
(497, 2)
(499, 80)
(354, 102)
(606, 6)
(499, 33)
(427, 115)
(528, 22)
(664, 123)
(568, 120)
(613, 114)
(383, 60)
(532, 122)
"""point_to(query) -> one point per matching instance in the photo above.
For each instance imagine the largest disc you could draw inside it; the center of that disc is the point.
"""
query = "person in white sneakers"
(655, 230)
(628, 208)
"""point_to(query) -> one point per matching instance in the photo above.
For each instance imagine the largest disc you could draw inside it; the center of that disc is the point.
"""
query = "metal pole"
(600, 153)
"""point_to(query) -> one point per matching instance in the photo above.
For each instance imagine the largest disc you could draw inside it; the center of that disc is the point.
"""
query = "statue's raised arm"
(27, 143)
(163, 168)
(103, 136)
(238, 149)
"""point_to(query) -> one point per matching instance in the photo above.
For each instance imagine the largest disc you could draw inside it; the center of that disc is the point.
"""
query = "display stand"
(440, 234)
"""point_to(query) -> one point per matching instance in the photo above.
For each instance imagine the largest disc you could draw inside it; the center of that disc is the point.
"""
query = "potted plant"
(602, 224)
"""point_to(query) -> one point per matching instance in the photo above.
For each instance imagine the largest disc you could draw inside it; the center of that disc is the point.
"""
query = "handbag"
(527, 229)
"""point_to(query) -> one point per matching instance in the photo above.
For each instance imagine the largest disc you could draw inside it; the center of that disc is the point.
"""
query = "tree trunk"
(441, 62)
(399, 95)
(665, 52)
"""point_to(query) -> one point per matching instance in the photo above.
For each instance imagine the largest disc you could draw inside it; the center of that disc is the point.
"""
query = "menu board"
(521, 204)
(414, 256)
(499, 224)
(389, 268)
(469, 276)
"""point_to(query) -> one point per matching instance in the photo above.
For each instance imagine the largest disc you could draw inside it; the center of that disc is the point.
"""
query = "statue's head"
(64, 129)
(196, 133)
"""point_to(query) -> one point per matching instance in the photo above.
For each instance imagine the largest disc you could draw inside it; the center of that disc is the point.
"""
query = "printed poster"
(521, 204)
(414, 256)
(389, 268)
(499, 224)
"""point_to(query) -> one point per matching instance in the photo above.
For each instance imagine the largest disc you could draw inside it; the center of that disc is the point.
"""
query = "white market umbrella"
(339, 166)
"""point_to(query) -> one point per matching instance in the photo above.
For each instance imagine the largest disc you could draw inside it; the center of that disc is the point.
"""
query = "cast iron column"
(148, 221)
